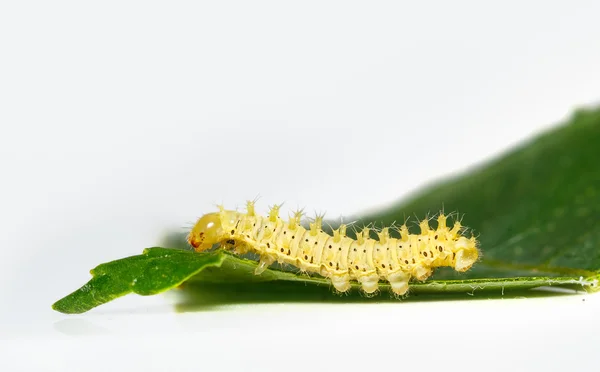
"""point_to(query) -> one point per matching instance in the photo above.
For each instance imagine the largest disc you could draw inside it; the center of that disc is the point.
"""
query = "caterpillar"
(337, 256)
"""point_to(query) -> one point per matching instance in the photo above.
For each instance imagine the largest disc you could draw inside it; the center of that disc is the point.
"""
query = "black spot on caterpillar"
(397, 260)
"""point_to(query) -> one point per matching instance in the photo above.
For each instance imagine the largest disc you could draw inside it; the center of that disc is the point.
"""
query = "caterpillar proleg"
(337, 256)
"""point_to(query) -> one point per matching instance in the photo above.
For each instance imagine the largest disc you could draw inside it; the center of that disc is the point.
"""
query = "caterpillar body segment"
(338, 257)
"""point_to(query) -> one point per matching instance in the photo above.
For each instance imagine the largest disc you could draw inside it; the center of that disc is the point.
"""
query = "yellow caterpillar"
(338, 257)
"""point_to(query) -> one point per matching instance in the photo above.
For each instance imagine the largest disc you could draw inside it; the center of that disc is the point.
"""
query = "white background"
(122, 121)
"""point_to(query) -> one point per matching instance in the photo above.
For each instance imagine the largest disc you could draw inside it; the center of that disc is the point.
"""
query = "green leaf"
(154, 271)
(536, 211)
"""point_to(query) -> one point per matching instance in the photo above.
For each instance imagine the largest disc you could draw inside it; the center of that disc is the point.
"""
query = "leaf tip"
(62, 306)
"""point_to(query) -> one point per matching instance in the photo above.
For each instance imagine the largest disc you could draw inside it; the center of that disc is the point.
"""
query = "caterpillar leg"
(467, 253)
(341, 282)
(369, 282)
(239, 248)
(422, 273)
(263, 264)
(399, 282)
(464, 260)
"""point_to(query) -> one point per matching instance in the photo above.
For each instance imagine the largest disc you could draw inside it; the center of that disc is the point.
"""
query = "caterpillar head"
(466, 253)
(207, 232)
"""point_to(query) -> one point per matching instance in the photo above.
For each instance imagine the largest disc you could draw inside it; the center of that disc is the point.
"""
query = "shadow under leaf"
(197, 296)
